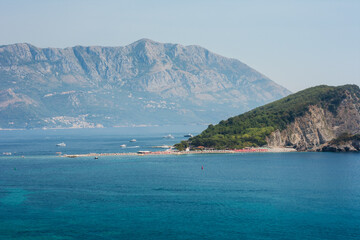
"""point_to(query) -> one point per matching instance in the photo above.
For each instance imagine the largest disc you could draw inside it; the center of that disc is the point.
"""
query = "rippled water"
(235, 196)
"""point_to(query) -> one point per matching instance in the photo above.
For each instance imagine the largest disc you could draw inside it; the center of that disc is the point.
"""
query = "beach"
(171, 152)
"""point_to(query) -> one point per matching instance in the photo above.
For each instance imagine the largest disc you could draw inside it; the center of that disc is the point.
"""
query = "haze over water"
(235, 196)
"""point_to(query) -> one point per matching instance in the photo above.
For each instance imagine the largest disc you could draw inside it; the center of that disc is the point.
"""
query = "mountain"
(145, 82)
(305, 121)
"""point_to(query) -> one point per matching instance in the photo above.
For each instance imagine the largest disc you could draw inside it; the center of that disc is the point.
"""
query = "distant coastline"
(117, 126)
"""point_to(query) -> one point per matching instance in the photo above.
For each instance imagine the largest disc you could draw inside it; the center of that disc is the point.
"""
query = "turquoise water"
(235, 196)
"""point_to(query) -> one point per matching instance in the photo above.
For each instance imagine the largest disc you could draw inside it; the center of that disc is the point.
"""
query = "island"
(320, 118)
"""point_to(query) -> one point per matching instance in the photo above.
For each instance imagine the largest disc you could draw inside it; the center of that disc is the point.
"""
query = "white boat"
(62, 144)
(168, 136)
(163, 146)
(123, 145)
(188, 135)
(132, 140)
(7, 153)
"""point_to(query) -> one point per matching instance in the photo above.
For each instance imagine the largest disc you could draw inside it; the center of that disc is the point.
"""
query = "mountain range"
(144, 83)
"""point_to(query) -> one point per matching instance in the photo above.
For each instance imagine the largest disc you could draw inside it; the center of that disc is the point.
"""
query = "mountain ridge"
(183, 81)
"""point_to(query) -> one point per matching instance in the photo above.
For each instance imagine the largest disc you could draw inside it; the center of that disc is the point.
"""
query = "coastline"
(251, 150)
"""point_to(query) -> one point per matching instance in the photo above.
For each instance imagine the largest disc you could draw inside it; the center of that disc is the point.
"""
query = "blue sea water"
(235, 196)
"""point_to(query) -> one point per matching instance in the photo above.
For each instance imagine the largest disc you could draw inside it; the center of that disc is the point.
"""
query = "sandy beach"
(251, 150)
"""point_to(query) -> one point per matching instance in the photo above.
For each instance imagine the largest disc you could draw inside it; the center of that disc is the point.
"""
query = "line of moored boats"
(63, 144)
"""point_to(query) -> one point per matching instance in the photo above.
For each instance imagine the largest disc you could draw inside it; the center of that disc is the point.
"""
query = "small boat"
(168, 136)
(7, 153)
(96, 158)
(143, 152)
(123, 145)
(188, 135)
(163, 146)
(132, 140)
(62, 144)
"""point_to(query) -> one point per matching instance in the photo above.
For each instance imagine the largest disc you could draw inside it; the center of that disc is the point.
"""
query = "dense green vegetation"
(251, 128)
(182, 145)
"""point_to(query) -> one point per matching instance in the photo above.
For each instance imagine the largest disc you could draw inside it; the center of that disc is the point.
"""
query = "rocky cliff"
(349, 144)
(145, 82)
(319, 125)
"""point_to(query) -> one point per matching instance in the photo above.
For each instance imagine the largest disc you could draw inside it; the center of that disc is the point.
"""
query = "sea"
(205, 196)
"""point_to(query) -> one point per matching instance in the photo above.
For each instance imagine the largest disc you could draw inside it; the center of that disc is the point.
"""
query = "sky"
(297, 44)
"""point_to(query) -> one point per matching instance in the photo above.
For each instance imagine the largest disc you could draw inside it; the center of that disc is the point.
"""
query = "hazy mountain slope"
(143, 83)
(304, 120)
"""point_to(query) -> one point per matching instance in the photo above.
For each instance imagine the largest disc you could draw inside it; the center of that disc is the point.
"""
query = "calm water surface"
(235, 196)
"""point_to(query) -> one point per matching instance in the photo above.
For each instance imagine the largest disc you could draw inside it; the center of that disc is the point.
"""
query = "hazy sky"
(297, 44)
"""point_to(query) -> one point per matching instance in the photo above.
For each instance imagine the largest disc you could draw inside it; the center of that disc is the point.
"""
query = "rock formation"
(319, 125)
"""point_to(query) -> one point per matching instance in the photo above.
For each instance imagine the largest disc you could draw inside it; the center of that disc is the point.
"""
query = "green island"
(251, 128)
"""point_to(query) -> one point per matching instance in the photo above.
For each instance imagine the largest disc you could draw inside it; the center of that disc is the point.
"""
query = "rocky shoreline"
(349, 146)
